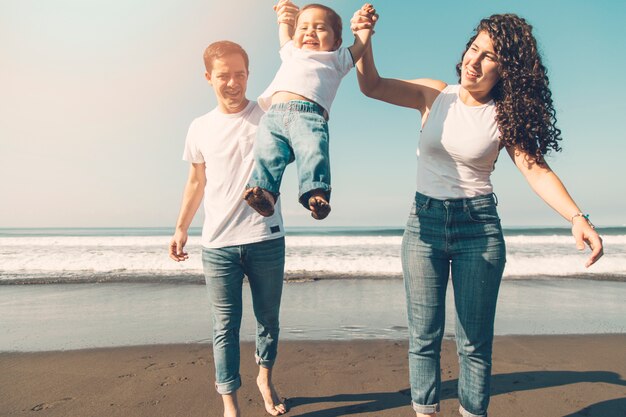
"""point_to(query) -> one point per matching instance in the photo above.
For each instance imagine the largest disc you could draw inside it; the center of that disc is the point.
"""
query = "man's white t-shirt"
(224, 143)
(315, 75)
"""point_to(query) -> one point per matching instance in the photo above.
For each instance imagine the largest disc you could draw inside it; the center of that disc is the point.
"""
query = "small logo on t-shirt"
(275, 229)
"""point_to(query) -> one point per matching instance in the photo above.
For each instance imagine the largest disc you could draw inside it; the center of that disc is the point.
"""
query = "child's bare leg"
(231, 407)
(318, 204)
(273, 404)
(260, 200)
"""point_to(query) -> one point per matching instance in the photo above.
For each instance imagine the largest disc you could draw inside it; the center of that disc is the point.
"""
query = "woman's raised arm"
(417, 94)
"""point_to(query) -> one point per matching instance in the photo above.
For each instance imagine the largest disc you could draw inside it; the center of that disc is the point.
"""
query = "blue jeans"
(295, 130)
(461, 238)
(224, 268)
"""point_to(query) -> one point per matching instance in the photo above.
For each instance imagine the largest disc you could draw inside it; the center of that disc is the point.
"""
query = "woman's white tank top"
(458, 148)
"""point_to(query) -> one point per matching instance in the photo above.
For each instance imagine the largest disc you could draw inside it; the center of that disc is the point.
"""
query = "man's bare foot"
(231, 408)
(319, 207)
(273, 404)
(260, 200)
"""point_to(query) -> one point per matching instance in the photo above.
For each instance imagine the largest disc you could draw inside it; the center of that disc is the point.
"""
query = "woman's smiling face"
(479, 68)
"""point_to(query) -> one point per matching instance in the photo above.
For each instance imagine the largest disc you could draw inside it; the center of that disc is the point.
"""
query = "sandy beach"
(543, 376)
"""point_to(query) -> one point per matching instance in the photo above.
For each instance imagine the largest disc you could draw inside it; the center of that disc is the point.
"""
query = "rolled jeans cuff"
(269, 364)
(305, 192)
(265, 185)
(466, 413)
(425, 409)
(228, 387)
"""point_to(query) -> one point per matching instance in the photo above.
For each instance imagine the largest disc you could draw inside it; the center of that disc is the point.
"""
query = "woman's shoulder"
(433, 89)
(451, 88)
(448, 93)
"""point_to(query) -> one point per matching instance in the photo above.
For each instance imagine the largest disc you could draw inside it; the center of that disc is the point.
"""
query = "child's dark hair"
(221, 49)
(333, 18)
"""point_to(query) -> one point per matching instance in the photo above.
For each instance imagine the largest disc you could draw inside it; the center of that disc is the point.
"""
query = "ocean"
(134, 255)
(117, 287)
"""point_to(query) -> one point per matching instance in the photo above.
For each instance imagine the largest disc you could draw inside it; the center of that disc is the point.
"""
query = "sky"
(96, 98)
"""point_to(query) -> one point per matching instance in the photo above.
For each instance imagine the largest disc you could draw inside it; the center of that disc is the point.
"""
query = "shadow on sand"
(501, 384)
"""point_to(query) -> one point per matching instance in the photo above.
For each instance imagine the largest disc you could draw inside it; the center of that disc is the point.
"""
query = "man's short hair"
(221, 49)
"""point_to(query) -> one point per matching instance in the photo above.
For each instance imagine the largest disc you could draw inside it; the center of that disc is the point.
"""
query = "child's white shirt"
(315, 75)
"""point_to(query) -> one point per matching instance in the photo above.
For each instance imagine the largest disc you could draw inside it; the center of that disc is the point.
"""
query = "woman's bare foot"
(273, 404)
(231, 407)
(260, 200)
(319, 206)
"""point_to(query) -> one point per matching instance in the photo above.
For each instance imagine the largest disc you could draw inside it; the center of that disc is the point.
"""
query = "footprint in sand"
(169, 380)
(45, 406)
(149, 403)
(199, 361)
(155, 366)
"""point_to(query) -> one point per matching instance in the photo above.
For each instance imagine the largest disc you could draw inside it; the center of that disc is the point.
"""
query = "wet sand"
(543, 376)
(83, 316)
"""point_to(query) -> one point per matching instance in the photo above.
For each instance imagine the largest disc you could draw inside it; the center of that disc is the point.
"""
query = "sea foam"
(351, 256)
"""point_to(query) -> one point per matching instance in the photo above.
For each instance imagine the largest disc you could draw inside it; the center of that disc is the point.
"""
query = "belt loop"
(465, 207)
(427, 203)
(495, 198)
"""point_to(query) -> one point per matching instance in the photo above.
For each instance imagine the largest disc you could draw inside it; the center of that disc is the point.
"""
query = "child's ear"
(207, 75)
(337, 44)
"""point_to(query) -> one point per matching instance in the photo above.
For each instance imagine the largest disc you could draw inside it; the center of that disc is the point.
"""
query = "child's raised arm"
(286, 15)
(363, 36)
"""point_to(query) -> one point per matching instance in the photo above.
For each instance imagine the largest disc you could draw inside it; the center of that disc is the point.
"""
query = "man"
(236, 240)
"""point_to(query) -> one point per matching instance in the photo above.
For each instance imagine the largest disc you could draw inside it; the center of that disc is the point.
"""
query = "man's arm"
(192, 197)
(286, 15)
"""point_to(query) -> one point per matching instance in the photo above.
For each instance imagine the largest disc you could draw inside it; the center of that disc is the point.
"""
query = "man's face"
(229, 79)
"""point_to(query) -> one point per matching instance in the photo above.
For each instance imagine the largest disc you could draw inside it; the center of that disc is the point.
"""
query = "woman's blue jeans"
(461, 238)
(224, 268)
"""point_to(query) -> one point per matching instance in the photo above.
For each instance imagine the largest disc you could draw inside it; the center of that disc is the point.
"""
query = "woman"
(503, 101)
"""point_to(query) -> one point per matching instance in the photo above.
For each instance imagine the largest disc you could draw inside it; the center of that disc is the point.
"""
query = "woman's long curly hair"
(524, 110)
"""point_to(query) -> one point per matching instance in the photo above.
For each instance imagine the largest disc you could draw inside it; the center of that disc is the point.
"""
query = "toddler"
(295, 126)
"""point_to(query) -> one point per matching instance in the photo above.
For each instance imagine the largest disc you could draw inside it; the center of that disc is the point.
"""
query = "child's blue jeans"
(295, 130)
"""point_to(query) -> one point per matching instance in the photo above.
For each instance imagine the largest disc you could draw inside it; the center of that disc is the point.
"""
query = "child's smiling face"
(314, 32)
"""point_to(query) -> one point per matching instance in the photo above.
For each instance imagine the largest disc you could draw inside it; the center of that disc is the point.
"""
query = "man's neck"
(233, 110)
